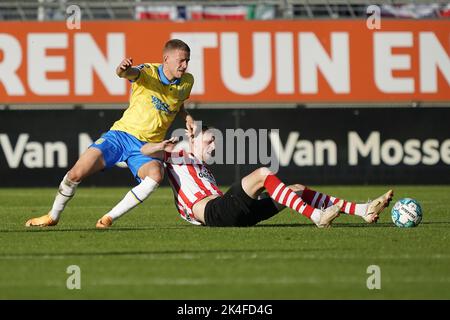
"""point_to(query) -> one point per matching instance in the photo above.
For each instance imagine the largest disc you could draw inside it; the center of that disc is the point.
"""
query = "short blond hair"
(176, 44)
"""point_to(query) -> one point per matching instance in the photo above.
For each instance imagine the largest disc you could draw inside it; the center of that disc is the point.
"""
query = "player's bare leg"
(263, 178)
(90, 162)
(151, 175)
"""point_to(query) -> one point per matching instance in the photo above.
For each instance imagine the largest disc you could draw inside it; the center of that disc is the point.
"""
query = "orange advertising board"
(242, 61)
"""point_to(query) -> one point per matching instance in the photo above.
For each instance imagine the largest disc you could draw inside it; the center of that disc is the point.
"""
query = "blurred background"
(188, 10)
(341, 91)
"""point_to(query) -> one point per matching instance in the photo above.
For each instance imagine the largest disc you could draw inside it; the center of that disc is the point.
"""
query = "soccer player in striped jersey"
(158, 95)
(199, 200)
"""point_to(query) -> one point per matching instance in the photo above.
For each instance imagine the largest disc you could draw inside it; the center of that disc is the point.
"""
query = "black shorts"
(236, 209)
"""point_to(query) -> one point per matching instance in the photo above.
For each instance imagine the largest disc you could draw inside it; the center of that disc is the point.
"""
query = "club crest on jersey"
(161, 106)
(99, 141)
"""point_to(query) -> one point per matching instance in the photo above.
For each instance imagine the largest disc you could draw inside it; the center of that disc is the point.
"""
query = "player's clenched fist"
(126, 64)
(126, 70)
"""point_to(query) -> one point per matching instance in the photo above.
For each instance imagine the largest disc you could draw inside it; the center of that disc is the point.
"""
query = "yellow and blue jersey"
(154, 103)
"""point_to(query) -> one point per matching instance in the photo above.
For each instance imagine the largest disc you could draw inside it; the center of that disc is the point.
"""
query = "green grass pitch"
(151, 253)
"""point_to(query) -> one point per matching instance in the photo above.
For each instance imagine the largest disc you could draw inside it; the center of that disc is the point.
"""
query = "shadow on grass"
(334, 226)
(363, 225)
(284, 225)
(161, 253)
(185, 227)
(386, 225)
(90, 229)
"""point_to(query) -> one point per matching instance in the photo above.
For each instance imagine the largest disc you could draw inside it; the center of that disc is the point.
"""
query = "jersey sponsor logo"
(205, 174)
(161, 106)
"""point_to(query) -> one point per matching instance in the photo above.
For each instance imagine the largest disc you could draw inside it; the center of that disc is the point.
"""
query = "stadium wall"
(311, 146)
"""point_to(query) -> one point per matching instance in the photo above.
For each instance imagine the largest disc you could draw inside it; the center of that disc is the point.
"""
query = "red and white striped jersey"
(191, 181)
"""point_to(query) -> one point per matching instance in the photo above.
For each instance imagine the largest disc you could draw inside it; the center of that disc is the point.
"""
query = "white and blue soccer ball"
(406, 213)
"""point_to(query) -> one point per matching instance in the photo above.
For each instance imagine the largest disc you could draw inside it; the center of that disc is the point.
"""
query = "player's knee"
(264, 172)
(297, 187)
(158, 178)
(155, 172)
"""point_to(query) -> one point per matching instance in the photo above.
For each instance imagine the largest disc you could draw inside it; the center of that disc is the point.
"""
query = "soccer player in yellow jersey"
(158, 95)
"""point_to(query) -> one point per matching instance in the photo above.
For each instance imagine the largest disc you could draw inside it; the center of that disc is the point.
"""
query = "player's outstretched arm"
(156, 150)
(126, 70)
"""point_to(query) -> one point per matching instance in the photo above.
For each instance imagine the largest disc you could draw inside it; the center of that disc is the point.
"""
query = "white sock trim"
(361, 209)
(144, 189)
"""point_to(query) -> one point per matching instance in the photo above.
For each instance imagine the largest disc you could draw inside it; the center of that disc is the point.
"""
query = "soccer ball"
(406, 213)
